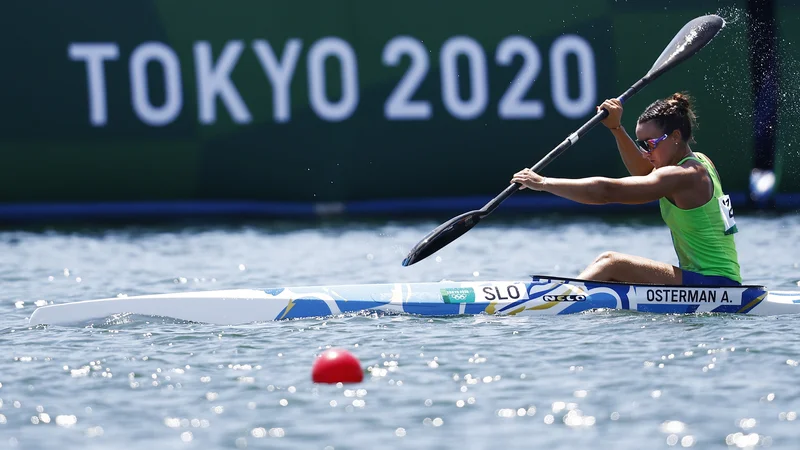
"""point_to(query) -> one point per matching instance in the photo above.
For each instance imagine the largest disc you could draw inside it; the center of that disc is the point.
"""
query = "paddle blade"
(442, 235)
(689, 40)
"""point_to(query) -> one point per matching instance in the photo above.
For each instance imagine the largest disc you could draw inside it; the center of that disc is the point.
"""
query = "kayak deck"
(542, 295)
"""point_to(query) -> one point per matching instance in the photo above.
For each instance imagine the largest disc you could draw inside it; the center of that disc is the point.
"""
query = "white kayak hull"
(538, 296)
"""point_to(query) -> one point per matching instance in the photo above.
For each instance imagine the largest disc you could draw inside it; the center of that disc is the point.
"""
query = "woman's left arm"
(633, 190)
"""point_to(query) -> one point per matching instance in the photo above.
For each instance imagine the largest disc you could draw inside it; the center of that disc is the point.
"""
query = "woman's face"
(661, 150)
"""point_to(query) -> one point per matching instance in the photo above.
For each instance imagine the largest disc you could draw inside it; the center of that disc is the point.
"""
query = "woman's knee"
(607, 258)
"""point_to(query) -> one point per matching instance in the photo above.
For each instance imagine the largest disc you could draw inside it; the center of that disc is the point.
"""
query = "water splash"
(732, 40)
(783, 90)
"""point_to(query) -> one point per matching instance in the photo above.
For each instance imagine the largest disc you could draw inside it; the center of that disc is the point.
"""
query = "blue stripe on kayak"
(727, 309)
(474, 308)
(620, 289)
(302, 308)
(597, 300)
(751, 298)
(667, 309)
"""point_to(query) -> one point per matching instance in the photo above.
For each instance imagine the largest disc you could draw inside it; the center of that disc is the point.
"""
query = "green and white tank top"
(703, 236)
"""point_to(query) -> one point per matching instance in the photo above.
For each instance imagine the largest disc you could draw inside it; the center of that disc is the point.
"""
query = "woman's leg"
(613, 266)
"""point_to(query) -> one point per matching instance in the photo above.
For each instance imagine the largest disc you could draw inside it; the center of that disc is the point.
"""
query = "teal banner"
(309, 101)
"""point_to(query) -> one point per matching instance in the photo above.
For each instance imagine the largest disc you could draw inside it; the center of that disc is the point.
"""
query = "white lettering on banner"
(475, 105)
(145, 110)
(585, 102)
(214, 81)
(513, 105)
(280, 74)
(215, 87)
(95, 54)
(399, 105)
(332, 47)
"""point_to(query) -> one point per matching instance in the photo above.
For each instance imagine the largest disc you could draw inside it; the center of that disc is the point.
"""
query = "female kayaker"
(686, 184)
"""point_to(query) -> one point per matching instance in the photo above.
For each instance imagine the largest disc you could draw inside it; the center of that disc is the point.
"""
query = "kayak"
(541, 295)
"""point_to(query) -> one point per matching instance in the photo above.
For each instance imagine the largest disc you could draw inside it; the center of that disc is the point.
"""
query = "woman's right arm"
(634, 162)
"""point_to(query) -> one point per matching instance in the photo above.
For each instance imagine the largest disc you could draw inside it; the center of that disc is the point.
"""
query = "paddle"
(689, 40)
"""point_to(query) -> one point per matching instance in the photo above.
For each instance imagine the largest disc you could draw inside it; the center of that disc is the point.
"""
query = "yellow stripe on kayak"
(288, 308)
(753, 303)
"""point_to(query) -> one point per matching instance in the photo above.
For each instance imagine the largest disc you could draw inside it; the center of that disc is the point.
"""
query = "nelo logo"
(564, 298)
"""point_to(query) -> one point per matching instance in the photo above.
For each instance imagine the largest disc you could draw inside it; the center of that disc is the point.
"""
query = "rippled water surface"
(598, 380)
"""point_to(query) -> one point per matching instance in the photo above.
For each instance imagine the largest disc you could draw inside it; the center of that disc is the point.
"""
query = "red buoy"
(337, 365)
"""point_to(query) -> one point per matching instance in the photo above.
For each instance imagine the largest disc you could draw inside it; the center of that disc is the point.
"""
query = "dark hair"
(672, 113)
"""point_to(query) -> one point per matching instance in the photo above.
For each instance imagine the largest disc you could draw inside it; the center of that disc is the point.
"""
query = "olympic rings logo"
(457, 295)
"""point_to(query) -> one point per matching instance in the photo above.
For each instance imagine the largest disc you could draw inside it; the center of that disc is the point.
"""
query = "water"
(599, 380)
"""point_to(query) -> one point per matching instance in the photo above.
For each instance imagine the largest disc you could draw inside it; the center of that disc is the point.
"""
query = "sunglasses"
(648, 145)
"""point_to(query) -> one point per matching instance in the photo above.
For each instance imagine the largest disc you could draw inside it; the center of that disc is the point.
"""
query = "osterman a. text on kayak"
(686, 184)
